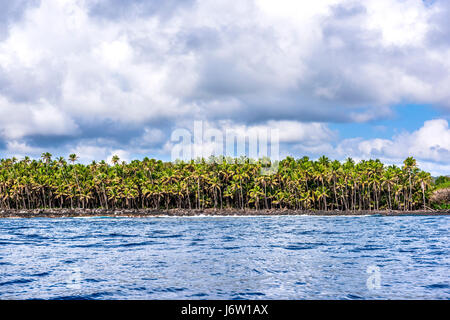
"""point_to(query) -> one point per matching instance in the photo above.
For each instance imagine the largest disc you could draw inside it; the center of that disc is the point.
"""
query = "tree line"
(219, 182)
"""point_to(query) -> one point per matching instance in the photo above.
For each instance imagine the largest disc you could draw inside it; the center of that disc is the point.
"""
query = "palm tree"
(424, 180)
(46, 156)
(409, 165)
(255, 193)
(115, 159)
(73, 158)
(297, 184)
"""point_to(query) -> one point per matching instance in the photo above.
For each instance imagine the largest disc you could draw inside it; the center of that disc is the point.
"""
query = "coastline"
(143, 213)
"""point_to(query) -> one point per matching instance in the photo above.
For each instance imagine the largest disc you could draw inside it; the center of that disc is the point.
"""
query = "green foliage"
(443, 185)
(243, 183)
(441, 180)
(441, 206)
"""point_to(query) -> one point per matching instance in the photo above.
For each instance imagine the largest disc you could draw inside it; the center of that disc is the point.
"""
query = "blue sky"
(336, 77)
(404, 118)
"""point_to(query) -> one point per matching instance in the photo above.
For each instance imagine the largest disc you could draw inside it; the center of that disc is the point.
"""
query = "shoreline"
(143, 213)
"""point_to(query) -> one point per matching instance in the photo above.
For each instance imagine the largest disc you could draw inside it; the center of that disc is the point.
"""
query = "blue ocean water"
(301, 257)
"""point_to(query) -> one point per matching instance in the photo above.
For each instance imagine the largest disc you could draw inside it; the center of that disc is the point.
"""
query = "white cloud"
(127, 79)
(114, 54)
(218, 138)
(435, 169)
(18, 120)
(310, 133)
(87, 152)
(430, 143)
(399, 22)
(146, 68)
(151, 137)
(20, 149)
(122, 154)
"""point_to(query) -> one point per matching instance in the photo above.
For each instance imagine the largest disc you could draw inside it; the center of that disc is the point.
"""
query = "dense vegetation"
(442, 182)
(216, 183)
(441, 196)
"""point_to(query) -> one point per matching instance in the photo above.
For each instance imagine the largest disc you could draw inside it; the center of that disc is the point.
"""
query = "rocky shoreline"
(141, 213)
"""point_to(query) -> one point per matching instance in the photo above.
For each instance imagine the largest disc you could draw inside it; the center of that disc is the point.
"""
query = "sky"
(361, 79)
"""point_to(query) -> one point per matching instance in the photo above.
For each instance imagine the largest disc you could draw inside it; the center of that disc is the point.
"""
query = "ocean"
(282, 257)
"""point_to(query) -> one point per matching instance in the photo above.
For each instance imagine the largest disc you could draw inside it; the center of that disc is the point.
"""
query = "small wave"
(304, 246)
(241, 295)
(120, 245)
(437, 253)
(169, 289)
(255, 294)
(226, 248)
(166, 237)
(438, 286)
(137, 288)
(121, 235)
(305, 232)
(9, 242)
(199, 295)
(41, 274)
(133, 244)
(354, 297)
(330, 232)
(368, 248)
(296, 247)
(35, 236)
(82, 237)
(69, 261)
(159, 231)
(91, 296)
(89, 245)
(18, 281)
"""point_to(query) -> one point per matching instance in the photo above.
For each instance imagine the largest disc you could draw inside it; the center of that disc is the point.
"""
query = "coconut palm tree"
(424, 180)
(409, 165)
(296, 184)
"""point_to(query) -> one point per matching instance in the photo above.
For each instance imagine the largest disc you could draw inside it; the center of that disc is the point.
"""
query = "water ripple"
(225, 258)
